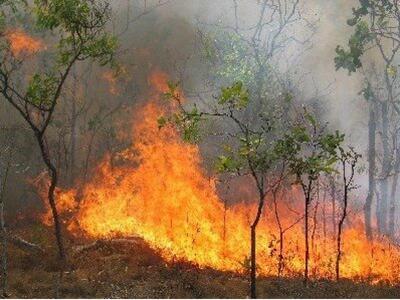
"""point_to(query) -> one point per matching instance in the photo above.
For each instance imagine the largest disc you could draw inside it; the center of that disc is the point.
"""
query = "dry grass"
(136, 271)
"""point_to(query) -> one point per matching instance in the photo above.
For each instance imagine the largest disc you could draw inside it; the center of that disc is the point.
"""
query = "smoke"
(163, 35)
(166, 33)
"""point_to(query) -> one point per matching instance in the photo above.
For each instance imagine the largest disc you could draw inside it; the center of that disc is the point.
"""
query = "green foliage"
(367, 92)
(235, 95)
(8, 7)
(228, 56)
(351, 59)
(251, 146)
(172, 90)
(81, 23)
(41, 89)
(226, 163)
(308, 150)
(189, 124)
(68, 14)
(372, 18)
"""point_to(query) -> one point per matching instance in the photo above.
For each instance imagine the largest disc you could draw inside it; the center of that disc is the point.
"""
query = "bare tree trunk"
(315, 225)
(3, 238)
(371, 170)
(307, 195)
(253, 262)
(392, 208)
(307, 251)
(73, 132)
(281, 234)
(324, 216)
(393, 196)
(4, 272)
(4, 234)
(253, 292)
(333, 199)
(386, 167)
(340, 227)
(51, 197)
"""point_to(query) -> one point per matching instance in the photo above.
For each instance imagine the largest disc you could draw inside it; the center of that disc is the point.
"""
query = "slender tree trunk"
(253, 252)
(324, 216)
(281, 235)
(307, 244)
(315, 224)
(307, 250)
(224, 229)
(386, 168)
(51, 195)
(253, 292)
(3, 238)
(73, 131)
(371, 170)
(393, 196)
(73, 142)
(333, 199)
(340, 225)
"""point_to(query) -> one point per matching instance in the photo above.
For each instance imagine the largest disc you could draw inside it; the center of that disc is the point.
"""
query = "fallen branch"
(24, 245)
(101, 243)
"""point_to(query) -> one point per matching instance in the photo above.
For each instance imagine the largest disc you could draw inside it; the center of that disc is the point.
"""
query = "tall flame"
(161, 193)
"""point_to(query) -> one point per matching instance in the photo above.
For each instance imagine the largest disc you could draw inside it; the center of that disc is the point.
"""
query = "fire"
(22, 44)
(159, 191)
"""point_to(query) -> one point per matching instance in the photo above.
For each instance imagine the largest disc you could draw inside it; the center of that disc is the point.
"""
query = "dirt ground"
(133, 270)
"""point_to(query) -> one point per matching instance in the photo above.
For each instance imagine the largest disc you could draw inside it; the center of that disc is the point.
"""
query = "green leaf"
(236, 95)
(42, 89)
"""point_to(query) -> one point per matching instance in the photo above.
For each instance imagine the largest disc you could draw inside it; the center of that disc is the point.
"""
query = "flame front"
(161, 193)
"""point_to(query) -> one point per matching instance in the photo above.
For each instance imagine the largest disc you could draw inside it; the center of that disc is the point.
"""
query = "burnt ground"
(133, 270)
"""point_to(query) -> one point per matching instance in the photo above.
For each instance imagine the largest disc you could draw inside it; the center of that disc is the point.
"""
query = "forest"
(199, 149)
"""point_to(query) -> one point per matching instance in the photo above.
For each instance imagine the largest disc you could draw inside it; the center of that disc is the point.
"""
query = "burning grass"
(117, 270)
(160, 192)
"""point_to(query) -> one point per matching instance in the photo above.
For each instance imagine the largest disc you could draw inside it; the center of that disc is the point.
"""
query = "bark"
(101, 243)
(73, 133)
(315, 225)
(51, 195)
(281, 235)
(253, 262)
(23, 244)
(392, 208)
(333, 199)
(253, 292)
(4, 238)
(340, 225)
(371, 170)
(307, 192)
(386, 166)
(324, 216)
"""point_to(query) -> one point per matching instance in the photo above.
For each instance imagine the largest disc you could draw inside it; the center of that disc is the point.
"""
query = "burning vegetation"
(193, 162)
(159, 191)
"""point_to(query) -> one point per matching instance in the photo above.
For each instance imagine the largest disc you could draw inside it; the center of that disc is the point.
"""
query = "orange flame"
(23, 44)
(161, 193)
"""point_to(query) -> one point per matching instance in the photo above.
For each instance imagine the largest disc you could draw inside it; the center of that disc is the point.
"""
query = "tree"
(253, 153)
(282, 229)
(5, 164)
(309, 151)
(79, 26)
(376, 30)
(347, 159)
(257, 52)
